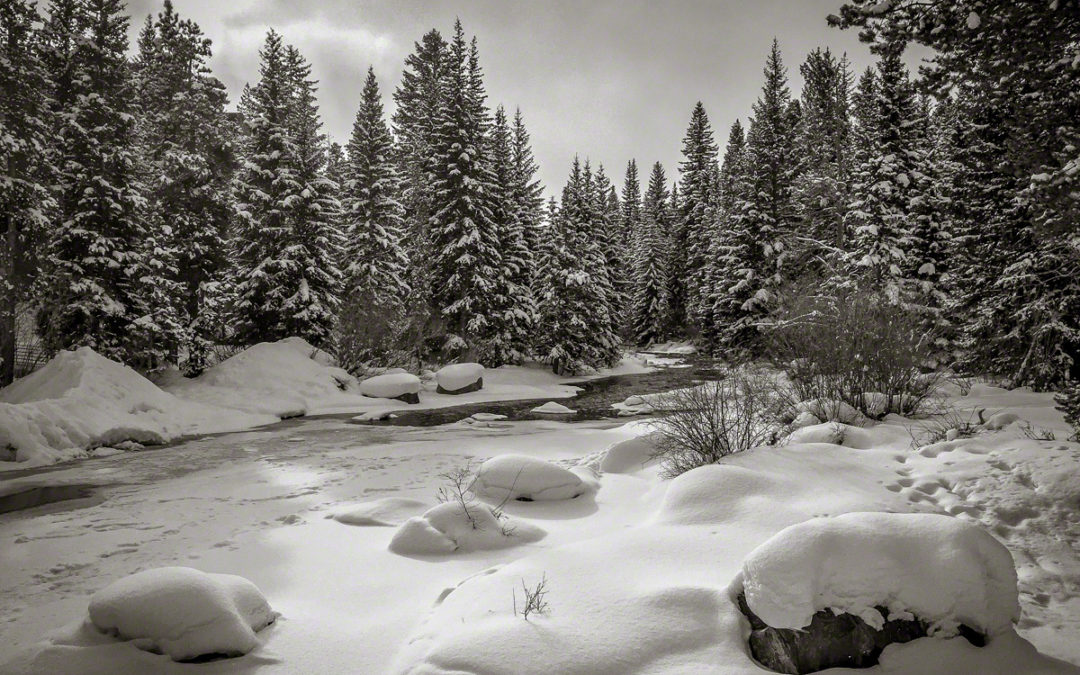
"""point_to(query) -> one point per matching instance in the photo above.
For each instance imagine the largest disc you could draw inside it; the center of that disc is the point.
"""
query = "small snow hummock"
(458, 376)
(945, 571)
(461, 526)
(524, 478)
(182, 612)
(392, 385)
(553, 408)
(630, 455)
(386, 512)
(831, 411)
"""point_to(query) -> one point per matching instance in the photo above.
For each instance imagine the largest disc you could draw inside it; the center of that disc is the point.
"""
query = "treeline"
(954, 197)
(144, 220)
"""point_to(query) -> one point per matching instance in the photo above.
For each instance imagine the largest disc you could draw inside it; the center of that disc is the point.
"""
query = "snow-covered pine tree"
(98, 279)
(696, 218)
(650, 301)
(821, 183)
(186, 166)
(464, 235)
(374, 260)
(764, 219)
(26, 204)
(630, 231)
(528, 204)
(880, 219)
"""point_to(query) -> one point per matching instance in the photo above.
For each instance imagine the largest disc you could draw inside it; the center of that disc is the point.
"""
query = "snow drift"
(457, 526)
(525, 478)
(81, 400)
(182, 612)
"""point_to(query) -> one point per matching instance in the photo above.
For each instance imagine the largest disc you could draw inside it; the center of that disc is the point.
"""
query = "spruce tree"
(528, 204)
(650, 301)
(98, 280)
(464, 235)
(730, 182)
(186, 164)
(696, 216)
(26, 203)
(374, 263)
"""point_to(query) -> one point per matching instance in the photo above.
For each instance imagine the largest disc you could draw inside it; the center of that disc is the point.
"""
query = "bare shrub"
(1037, 433)
(456, 491)
(535, 598)
(706, 423)
(855, 346)
(948, 423)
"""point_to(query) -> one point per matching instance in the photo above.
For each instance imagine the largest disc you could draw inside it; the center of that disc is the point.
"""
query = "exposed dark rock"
(833, 641)
(411, 397)
(475, 386)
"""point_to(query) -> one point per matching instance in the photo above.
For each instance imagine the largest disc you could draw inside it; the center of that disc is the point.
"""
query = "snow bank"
(454, 526)
(81, 400)
(385, 512)
(524, 478)
(183, 612)
(553, 408)
(831, 411)
(458, 376)
(941, 569)
(286, 378)
(629, 455)
(391, 385)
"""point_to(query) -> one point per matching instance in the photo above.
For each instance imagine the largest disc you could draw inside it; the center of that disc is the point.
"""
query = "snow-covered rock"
(456, 526)
(182, 612)
(629, 455)
(829, 410)
(81, 400)
(286, 378)
(525, 478)
(1000, 421)
(386, 512)
(805, 419)
(943, 570)
(553, 408)
(401, 386)
(460, 378)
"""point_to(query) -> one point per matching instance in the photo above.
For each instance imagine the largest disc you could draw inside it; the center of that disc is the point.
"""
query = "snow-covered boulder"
(524, 478)
(828, 410)
(805, 419)
(456, 526)
(945, 571)
(182, 612)
(553, 408)
(286, 378)
(1000, 421)
(386, 512)
(629, 455)
(460, 378)
(401, 386)
(81, 400)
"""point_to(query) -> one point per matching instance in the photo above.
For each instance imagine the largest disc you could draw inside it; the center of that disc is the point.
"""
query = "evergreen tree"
(373, 219)
(629, 231)
(729, 181)
(98, 279)
(528, 203)
(651, 304)
(25, 201)
(464, 234)
(696, 216)
(187, 166)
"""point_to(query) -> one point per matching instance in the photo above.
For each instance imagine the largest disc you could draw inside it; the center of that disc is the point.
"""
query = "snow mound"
(391, 385)
(453, 526)
(81, 400)
(629, 455)
(386, 512)
(1000, 421)
(718, 493)
(182, 612)
(831, 411)
(286, 378)
(459, 375)
(524, 478)
(943, 570)
(553, 408)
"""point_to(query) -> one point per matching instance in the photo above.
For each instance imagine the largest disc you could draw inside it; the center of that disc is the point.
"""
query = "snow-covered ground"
(639, 571)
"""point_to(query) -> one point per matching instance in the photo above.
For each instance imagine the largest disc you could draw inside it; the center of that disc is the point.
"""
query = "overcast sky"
(605, 79)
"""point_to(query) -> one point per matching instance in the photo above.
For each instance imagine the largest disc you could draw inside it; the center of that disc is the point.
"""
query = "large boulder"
(460, 378)
(399, 386)
(182, 612)
(525, 478)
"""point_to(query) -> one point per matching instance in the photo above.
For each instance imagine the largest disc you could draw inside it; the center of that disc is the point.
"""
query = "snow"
(940, 569)
(553, 408)
(832, 411)
(287, 378)
(386, 512)
(81, 400)
(182, 612)
(640, 573)
(459, 375)
(391, 385)
(526, 478)
(461, 526)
